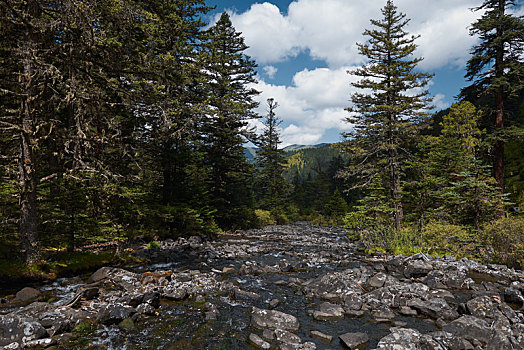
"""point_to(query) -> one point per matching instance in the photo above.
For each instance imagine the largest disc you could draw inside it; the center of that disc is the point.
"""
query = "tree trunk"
(27, 182)
(498, 166)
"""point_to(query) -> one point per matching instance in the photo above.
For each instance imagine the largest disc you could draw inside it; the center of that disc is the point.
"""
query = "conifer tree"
(387, 114)
(272, 187)
(497, 67)
(231, 103)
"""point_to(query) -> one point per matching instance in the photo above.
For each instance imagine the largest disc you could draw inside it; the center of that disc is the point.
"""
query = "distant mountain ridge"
(251, 152)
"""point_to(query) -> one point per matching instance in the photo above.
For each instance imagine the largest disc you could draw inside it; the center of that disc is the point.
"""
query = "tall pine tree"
(231, 103)
(271, 185)
(497, 67)
(387, 114)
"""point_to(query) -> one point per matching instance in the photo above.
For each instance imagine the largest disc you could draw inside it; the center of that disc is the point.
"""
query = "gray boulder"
(273, 319)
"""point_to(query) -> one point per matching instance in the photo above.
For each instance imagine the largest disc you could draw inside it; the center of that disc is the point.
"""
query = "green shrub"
(264, 217)
(153, 245)
(504, 240)
(444, 238)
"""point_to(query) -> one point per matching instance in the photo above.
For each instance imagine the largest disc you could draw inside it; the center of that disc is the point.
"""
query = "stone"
(407, 311)
(482, 307)
(274, 303)
(19, 329)
(401, 339)
(39, 343)
(321, 336)
(434, 308)
(417, 268)
(113, 314)
(377, 281)
(328, 311)
(383, 313)
(268, 335)
(228, 269)
(177, 294)
(27, 294)
(127, 324)
(145, 309)
(513, 296)
(258, 342)
(470, 328)
(354, 340)
(273, 319)
(99, 275)
(287, 337)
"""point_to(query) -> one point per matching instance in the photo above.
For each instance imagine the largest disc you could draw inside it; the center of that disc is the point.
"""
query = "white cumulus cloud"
(270, 71)
(329, 29)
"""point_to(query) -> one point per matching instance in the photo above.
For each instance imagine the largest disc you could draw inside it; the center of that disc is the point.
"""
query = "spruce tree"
(272, 187)
(231, 104)
(387, 114)
(497, 68)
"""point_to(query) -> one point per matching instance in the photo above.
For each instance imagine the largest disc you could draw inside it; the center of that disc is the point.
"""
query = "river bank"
(281, 287)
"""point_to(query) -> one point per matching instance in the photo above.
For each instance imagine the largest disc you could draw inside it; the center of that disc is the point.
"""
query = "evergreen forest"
(127, 122)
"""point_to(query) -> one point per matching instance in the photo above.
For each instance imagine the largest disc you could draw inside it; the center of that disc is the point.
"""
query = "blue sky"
(304, 49)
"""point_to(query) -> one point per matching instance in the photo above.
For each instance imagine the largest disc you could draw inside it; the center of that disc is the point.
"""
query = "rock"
(434, 308)
(113, 314)
(352, 302)
(407, 311)
(177, 294)
(127, 324)
(100, 274)
(401, 339)
(383, 313)
(377, 281)
(273, 319)
(39, 343)
(268, 335)
(287, 337)
(329, 311)
(19, 329)
(482, 307)
(470, 328)
(354, 340)
(27, 294)
(324, 337)
(417, 268)
(258, 342)
(274, 303)
(145, 309)
(152, 298)
(228, 269)
(513, 296)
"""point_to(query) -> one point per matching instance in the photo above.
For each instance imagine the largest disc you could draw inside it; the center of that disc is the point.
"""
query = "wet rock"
(384, 313)
(470, 328)
(354, 340)
(321, 336)
(212, 311)
(417, 268)
(27, 294)
(113, 314)
(451, 342)
(273, 319)
(258, 342)
(328, 311)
